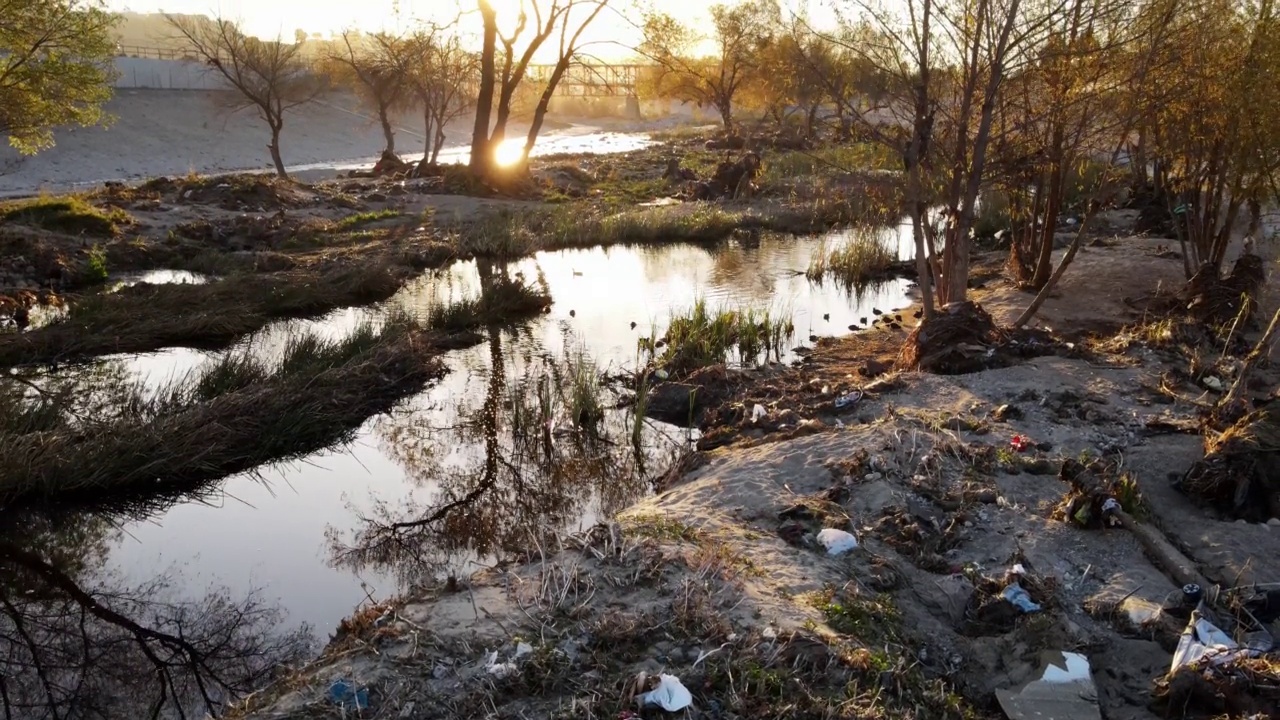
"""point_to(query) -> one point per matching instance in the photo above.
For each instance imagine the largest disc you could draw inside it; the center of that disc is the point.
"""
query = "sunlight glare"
(510, 152)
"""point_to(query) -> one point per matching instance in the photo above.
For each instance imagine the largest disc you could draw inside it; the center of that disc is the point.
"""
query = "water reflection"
(471, 435)
(530, 448)
(81, 642)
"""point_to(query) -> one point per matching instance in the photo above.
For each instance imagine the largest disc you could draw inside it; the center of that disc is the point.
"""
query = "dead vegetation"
(1240, 473)
(235, 415)
(147, 317)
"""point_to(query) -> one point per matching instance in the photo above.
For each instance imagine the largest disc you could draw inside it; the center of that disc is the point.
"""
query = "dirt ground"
(947, 482)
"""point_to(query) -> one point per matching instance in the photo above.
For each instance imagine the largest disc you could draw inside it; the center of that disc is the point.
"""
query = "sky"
(611, 34)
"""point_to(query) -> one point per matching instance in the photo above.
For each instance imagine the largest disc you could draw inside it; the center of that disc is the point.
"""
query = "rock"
(1007, 412)
(1274, 522)
(673, 402)
(376, 197)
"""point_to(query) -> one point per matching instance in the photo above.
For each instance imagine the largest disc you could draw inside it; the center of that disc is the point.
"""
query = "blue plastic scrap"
(1019, 598)
(347, 695)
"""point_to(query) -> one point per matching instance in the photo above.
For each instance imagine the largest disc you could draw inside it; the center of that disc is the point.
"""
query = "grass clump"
(236, 415)
(70, 214)
(701, 337)
(356, 220)
(503, 300)
(826, 161)
(210, 315)
(96, 268)
(862, 259)
(511, 235)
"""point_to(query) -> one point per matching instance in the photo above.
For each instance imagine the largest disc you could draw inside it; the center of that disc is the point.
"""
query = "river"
(276, 529)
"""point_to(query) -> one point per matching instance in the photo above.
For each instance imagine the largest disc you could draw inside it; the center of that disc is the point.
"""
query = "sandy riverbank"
(178, 132)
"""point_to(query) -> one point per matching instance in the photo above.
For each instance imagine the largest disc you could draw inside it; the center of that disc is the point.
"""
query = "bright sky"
(270, 18)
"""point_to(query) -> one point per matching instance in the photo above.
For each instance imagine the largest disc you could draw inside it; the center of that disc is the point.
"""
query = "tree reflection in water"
(539, 454)
(77, 640)
(81, 643)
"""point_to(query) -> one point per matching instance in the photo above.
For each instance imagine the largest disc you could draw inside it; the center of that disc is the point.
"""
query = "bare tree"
(269, 75)
(442, 78)
(740, 32)
(376, 67)
(541, 18)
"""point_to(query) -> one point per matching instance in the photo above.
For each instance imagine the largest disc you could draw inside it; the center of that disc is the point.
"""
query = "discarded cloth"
(837, 541)
(670, 695)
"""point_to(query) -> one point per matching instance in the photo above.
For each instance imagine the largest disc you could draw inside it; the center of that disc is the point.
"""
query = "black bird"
(862, 320)
(895, 326)
(854, 328)
(826, 316)
(898, 317)
(573, 314)
(633, 324)
(876, 311)
(918, 314)
(813, 338)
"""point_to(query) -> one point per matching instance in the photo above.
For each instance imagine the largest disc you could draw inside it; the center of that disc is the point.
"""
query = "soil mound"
(1240, 473)
(959, 339)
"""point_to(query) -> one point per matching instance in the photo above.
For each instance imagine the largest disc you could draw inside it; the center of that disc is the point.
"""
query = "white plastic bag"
(837, 541)
(670, 695)
(1204, 641)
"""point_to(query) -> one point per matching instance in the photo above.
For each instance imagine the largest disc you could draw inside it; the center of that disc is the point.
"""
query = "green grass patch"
(829, 160)
(351, 222)
(702, 336)
(70, 214)
(862, 258)
(503, 300)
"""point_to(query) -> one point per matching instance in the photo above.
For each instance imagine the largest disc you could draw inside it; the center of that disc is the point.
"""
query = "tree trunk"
(274, 147)
(725, 106)
(540, 113)
(481, 151)
(957, 250)
(435, 151)
(388, 133)
(1044, 263)
(427, 135)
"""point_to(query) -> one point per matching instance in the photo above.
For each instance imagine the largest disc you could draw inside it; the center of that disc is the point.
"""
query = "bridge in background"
(591, 80)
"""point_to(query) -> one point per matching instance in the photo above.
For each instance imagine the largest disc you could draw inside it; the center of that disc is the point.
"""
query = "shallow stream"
(282, 530)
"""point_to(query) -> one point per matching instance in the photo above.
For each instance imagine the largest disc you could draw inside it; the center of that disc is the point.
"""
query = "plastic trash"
(1020, 443)
(1018, 569)
(670, 695)
(757, 412)
(1019, 598)
(345, 694)
(837, 541)
(1204, 642)
(848, 399)
(1064, 691)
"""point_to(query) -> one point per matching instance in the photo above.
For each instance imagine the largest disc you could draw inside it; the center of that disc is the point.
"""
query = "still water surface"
(273, 530)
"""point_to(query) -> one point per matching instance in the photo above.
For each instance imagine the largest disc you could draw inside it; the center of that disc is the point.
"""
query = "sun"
(509, 152)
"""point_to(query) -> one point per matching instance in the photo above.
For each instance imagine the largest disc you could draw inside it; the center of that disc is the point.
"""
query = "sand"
(895, 462)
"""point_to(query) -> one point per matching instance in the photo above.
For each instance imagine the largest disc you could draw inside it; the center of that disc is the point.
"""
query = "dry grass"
(864, 258)
(71, 215)
(234, 416)
(504, 300)
(212, 315)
